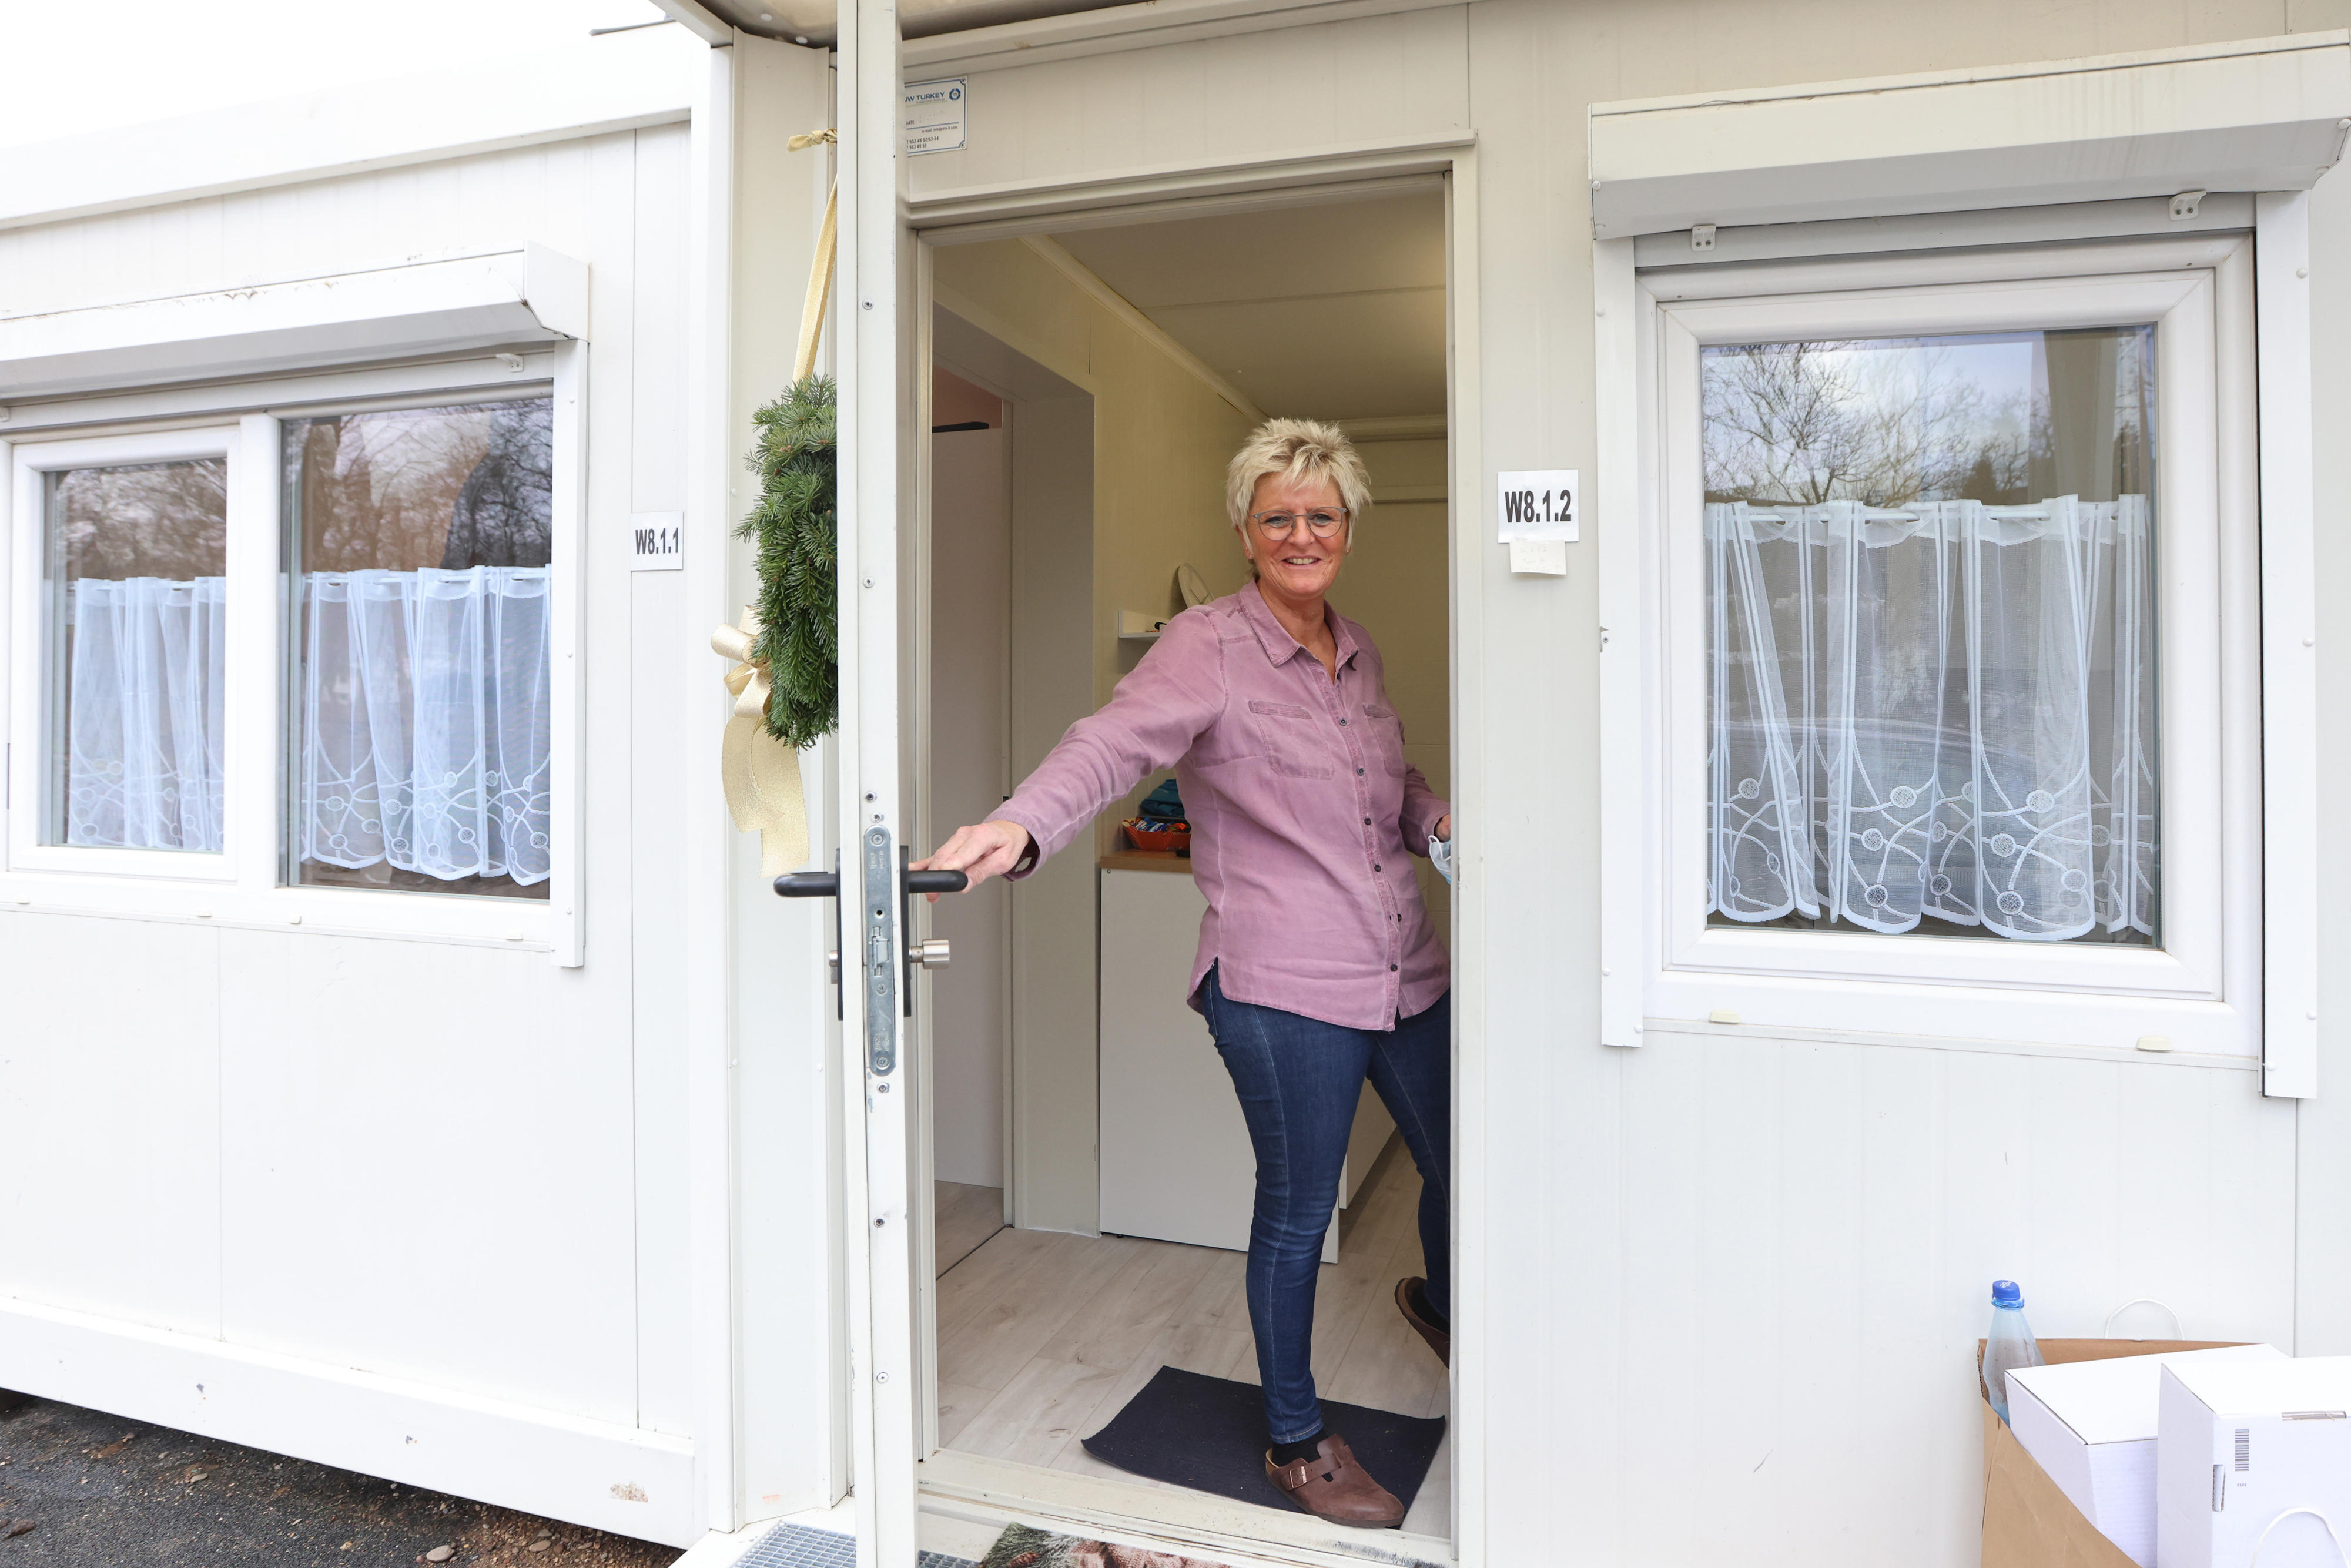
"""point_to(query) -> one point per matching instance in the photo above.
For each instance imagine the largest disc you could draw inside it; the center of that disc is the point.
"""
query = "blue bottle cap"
(2004, 1293)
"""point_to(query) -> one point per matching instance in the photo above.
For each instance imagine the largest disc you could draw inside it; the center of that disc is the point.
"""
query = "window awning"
(2266, 114)
(530, 296)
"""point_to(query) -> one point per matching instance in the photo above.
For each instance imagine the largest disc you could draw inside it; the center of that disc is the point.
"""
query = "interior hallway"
(1043, 1337)
(962, 1216)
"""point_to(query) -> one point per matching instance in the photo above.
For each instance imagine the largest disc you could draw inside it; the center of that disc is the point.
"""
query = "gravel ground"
(80, 1489)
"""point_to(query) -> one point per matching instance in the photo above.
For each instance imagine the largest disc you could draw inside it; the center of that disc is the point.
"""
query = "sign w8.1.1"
(1537, 504)
(657, 542)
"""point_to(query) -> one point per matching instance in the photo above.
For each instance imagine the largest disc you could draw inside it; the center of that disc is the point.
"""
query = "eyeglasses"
(1281, 525)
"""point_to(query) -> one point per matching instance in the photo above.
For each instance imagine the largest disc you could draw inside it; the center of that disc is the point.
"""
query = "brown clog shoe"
(1332, 1485)
(1440, 1340)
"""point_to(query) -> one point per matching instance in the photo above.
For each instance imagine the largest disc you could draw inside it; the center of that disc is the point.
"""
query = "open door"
(877, 431)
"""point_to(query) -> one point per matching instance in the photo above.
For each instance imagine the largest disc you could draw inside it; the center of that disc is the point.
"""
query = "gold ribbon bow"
(762, 774)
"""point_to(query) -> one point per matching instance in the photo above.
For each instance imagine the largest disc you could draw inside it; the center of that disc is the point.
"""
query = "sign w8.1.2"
(1537, 504)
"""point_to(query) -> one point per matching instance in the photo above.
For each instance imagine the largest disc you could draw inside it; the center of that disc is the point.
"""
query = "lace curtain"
(424, 721)
(424, 707)
(143, 721)
(1944, 710)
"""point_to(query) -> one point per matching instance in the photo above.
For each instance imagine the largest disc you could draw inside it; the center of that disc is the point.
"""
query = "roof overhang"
(2266, 114)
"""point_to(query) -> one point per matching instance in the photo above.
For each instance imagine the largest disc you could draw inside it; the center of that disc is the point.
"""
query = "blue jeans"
(1298, 1081)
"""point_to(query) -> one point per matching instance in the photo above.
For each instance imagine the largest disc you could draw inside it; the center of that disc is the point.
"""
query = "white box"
(2091, 1426)
(2241, 1446)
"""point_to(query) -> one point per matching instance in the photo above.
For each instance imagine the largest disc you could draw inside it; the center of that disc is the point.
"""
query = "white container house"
(405, 1065)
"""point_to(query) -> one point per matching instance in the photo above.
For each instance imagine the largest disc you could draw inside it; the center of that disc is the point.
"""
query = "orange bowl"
(1166, 841)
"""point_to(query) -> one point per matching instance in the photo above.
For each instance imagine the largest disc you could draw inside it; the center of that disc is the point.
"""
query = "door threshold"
(999, 1492)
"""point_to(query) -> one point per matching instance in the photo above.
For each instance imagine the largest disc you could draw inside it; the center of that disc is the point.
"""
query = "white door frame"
(875, 444)
(995, 1490)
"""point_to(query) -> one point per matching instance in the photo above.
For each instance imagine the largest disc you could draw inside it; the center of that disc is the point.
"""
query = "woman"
(1317, 963)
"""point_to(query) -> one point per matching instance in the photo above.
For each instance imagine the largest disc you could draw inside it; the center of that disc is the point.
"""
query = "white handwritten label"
(1537, 504)
(934, 115)
(657, 542)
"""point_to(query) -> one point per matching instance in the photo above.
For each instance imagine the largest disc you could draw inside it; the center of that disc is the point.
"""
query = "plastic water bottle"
(2008, 1345)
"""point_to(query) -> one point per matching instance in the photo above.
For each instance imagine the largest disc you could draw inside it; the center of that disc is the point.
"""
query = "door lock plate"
(881, 954)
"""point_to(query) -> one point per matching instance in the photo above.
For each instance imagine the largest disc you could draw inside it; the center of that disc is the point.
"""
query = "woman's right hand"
(985, 850)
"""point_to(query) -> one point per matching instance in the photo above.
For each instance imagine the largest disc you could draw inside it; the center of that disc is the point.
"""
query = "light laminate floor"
(963, 1216)
(1044, 1337)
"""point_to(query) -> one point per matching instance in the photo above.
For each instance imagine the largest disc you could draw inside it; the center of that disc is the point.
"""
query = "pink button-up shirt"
(1302, 809)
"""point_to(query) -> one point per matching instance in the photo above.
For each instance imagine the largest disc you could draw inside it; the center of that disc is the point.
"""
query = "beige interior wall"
(1161, 439)
(1161, 436)
(954, 401)
(1055, 1061)
(1394, 586)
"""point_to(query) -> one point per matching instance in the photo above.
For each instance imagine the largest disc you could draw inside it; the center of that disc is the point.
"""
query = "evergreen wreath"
(794, 526)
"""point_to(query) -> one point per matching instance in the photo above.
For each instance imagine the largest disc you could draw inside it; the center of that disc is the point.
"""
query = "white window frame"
(2201, 991)
(245, 885)
(32, 773)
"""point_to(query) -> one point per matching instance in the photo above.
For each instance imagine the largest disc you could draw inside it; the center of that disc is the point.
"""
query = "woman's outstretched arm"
(1149, 723)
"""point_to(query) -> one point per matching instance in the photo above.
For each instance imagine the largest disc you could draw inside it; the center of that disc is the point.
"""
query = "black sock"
(1429, 1314)
(1304, 1448)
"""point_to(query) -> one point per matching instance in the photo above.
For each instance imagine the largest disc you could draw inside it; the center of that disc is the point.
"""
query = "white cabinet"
(1176, 1164)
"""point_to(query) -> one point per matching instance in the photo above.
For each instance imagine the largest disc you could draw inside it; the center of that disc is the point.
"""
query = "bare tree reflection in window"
(137, 627)
(424, 538)
(1931, 594)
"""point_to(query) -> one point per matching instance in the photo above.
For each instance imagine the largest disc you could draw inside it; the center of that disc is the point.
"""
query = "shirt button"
(1343, 723)
(1391, 968)
(1359, 773)
(1367, 822)
(1376, 867)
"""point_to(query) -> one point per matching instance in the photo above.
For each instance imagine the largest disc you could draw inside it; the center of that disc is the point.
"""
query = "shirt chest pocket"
(1386, 733)
(1293, 742)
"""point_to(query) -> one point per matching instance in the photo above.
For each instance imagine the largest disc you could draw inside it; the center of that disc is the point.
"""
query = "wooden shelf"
(1146, 860)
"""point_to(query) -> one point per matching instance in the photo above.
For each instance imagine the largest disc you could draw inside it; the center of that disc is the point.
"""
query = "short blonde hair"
(1297, 449)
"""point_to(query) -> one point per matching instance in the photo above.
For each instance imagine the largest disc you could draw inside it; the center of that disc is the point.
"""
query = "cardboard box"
(2241, 1446)
(2027, 1522)
(2091, 1425)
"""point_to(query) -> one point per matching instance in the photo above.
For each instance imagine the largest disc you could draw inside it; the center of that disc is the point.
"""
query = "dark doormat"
(1209, 1434)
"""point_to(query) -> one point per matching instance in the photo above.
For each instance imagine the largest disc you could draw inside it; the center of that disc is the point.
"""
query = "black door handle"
(827, 884)
(822, 885)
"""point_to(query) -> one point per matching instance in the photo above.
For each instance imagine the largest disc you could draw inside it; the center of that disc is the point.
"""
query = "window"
(1932, 644)
(1946, 601)
(122, 603)
(312, 666)
(420, 540)
(136, 582)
